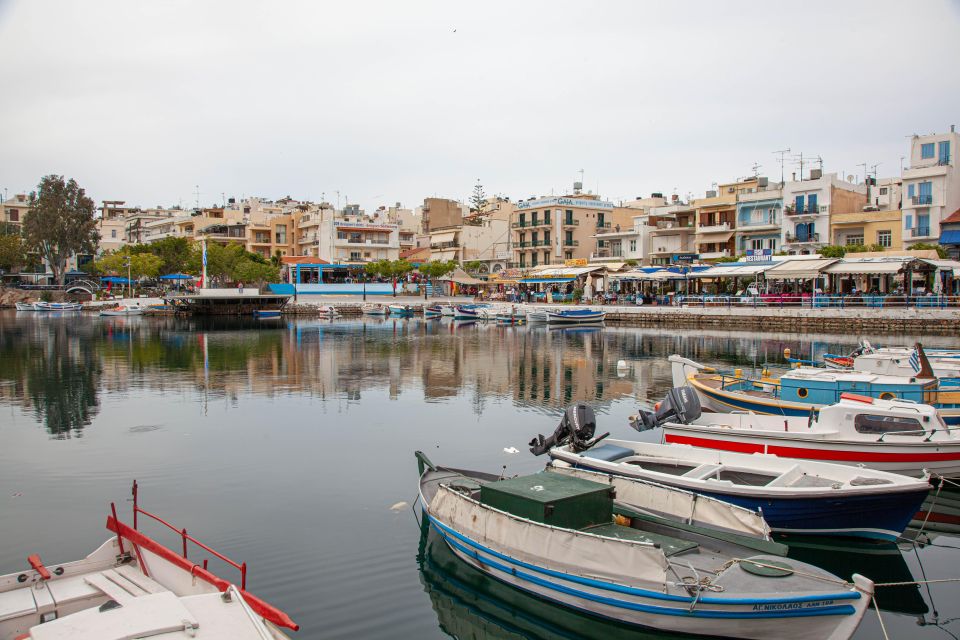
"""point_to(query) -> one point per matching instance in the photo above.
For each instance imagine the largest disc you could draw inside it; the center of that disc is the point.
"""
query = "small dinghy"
(134, 587)
(557, 536)
(267, 314)
(795, 496)
(401, 310)
(328, 311)
(123, 310)
(537, 315)
(433, 311)
(470, 311)
(375, 310)
(57, 306)
(575, 316)
(510, 315)
(25, 306)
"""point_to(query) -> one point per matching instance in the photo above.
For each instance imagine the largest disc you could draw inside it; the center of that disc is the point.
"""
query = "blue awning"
(176, 276)
(950, 236)
(546, 280)
(114, 280)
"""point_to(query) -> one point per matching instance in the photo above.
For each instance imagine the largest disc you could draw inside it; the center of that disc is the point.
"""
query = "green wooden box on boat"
(552, 499)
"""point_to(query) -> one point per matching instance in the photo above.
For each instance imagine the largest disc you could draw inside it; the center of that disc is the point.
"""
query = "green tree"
(479, 198)
(176, 255)
(247, 270)
(392, 269)
(13, 253)
(473, 266)
(60, 223)
(437, 268)
(832, 251)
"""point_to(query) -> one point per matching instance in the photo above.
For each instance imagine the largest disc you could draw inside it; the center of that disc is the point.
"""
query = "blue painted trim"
(653, 609)
(609, 586)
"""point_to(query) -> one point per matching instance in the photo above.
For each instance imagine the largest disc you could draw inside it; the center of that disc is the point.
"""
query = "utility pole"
(197, 194)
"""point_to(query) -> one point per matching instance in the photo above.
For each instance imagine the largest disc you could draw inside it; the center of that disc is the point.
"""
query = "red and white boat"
(890, 435)
(134, 587)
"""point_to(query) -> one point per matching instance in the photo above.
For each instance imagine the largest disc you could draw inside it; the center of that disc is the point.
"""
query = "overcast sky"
(396, 101)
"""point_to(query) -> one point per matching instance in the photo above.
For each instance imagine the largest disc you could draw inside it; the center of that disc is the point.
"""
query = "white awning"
(798, 269)
(943, 265)
(443, 255)
(445, 236)
(866, 266)
(715, 236)
(566, 271)
(734, 270)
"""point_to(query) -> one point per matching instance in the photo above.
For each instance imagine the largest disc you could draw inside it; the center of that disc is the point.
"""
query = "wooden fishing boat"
(267, 314)
(25, 306)
(574, 316)
(553, 535)
(433, 311)
(536, 315)
(375, 310)
(134, 587)
(123, 310)
(799, 391)
(57, 306)
(470, 311)
(401, 310)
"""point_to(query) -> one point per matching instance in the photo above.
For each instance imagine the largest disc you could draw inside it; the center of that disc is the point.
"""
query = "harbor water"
(289, 444)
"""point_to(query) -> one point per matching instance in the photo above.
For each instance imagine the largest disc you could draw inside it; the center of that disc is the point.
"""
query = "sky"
(384, 102)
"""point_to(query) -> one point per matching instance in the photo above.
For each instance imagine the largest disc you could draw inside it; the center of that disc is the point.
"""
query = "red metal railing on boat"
(185, 537)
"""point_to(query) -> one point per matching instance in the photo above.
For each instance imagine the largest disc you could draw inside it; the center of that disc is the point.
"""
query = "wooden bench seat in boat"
(149, 615)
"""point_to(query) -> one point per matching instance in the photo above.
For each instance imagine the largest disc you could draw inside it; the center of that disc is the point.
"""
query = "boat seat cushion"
(607, 453)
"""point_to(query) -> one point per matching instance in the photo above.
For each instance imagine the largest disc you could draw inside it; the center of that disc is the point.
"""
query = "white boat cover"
(566, 550)
(685, 506)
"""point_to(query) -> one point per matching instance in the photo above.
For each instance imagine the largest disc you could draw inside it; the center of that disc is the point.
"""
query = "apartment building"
(439, 213)
(14, 210)
(759, 218)
(671, 233)
(550, 230)
(112, 224)
(808, 206)
(630, 242)
(878, 223)
(716, 219)
(135, 227)
(355, 239)
(484, 239)
(931, 185)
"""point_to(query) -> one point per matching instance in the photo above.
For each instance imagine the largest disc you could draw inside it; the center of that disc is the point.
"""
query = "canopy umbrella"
(114, 280)
(177, 276)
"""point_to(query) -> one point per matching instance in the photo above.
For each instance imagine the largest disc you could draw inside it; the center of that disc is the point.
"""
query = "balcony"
(793, 238)
(522, 224)
(792, 211)
(922, 200)
(540, 243)
(920, 232)
(603, 225)
(713, 228)
(713, 255)
(571, 222)
(540, 223)
(571, 243)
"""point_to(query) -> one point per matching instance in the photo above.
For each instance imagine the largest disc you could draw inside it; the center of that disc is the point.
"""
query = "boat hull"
(941, 458)
(575, 317)
(743, 618)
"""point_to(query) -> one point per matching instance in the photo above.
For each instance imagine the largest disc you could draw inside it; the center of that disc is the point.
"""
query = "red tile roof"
(953, 217)
(302, 260)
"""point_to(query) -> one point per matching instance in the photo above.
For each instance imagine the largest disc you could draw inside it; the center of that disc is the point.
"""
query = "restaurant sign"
(758, 255)
(577, 262)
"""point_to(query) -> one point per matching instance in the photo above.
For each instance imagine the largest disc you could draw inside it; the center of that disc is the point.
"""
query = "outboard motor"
(576, 428)
(681, 405)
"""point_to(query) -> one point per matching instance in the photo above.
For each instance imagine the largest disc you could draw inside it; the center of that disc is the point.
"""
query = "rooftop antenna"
(197, 194)
(781, 153)
(756, 169)
(581, 176)
(223, 199)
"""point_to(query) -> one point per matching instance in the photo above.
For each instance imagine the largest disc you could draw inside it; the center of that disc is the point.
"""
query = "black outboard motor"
(576, 428)
(681, 405)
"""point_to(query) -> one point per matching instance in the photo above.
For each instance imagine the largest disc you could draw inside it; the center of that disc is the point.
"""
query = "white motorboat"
(536, 315)
(575, 316)
(123, 310)
(57, 306)
(25, 306)
(557, 535)
(891, 435)
(374, 309)
(133, 587)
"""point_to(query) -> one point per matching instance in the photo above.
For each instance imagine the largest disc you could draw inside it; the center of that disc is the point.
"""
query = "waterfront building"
(931, 185)
(950, 234)
(671, 233)
(135, 228)
(440, 213)
(808, 205)
(112, 224)
(554, 229)
(878, 223)
(478, 239)
(716, 220)
(760, 218)
(354, 239)
(14, 210)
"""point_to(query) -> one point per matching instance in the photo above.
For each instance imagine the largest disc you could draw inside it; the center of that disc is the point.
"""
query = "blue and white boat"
(795, 496)
(649, 574)
(433, 311)
(470, 311)
(401, 310)
(375, 310)
(264, 314)
(574, 316)
(800, 391)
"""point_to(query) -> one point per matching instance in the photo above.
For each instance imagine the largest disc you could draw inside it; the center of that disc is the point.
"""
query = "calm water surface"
(286, 444)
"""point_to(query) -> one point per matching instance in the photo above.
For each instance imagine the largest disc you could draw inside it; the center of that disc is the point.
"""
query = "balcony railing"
(810, 237)
(805, 211)
(669, 224)
(571, 243)
(603, 225)
(922, 200)
(571, 222)
(522, 224)
(920, 232)
(712, 228)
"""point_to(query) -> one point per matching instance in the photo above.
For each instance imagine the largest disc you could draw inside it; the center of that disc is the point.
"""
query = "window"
(798, 204)
(534, 237)
(885, 238)
(568, 215)
(523, 219)
(907, 221)
(866, 423)
(281, 233)
(533, 218)
(533, 259)
(366, 254)
(522, 262)
(14, 215)
(567, 256)
(756, 243)
(926, 150)
(568, 240)
(883, 191)
(546, 257)
(772, 243)
(354, 255)
(944, 156)
(546, 216)
(633, 246)
(855, 241)
(925, 193)
(113, 233)
(546, 238)
(812, 203)
(911, 190)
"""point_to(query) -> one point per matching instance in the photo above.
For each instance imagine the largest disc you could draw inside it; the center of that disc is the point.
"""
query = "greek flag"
(915, 361)
(204, 254)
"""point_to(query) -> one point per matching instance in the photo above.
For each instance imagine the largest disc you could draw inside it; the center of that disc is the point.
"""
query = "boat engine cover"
(680, 405)
(577, 427)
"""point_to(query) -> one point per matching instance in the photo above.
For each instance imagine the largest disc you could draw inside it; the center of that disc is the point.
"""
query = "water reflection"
(55, 367)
